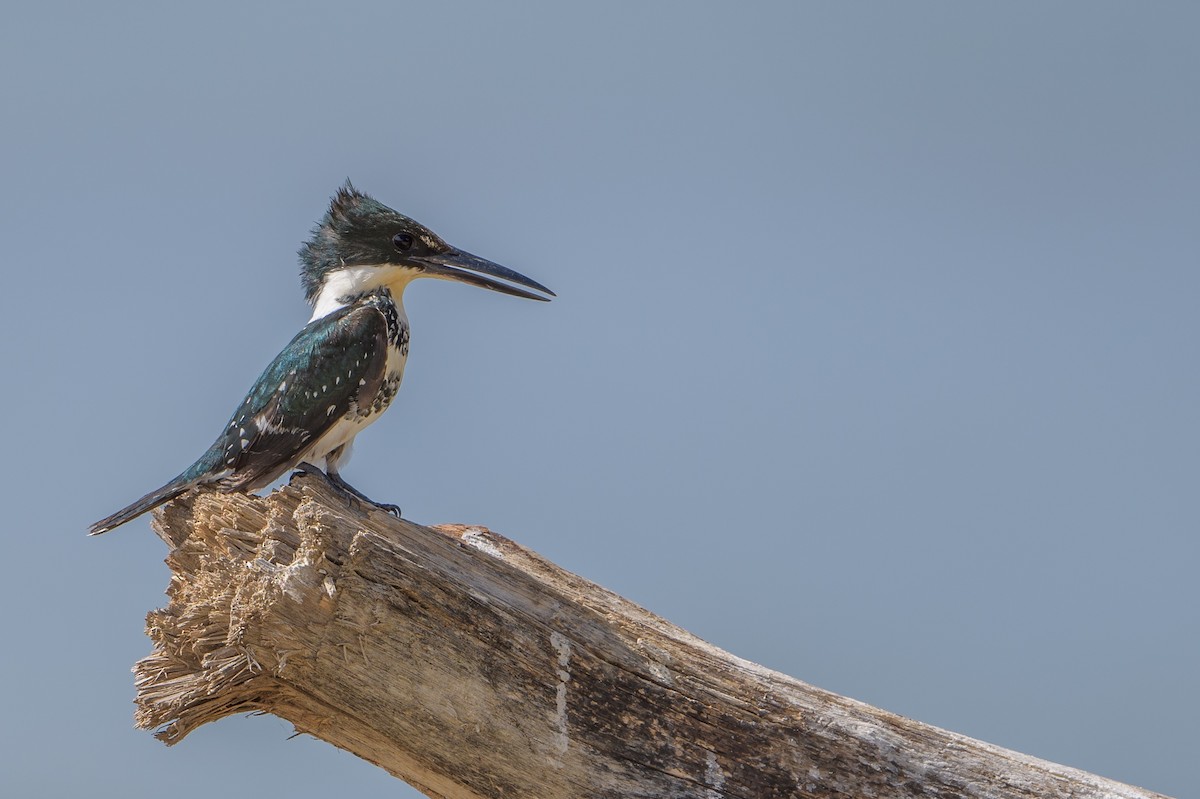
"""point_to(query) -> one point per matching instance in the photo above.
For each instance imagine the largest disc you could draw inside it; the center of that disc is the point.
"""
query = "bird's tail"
(199, 473)
(149, 502)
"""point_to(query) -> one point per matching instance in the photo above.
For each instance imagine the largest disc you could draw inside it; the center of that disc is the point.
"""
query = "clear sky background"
(874, 358)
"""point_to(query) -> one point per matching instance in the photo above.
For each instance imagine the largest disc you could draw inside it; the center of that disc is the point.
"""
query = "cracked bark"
(471, 667)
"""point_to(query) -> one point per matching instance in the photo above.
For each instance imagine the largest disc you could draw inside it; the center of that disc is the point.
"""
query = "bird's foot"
(346, 488)
(388, 507)
(352, 494)
(304, 467)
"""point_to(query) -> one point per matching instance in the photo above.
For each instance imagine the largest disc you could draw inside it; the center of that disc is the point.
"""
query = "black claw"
(346, 488)
(353, 495)
(304, 467)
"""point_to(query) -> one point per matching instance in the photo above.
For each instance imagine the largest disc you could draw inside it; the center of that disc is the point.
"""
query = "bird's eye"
(402, 241)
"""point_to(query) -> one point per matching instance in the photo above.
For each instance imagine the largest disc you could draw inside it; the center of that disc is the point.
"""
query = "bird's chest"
(367, 408)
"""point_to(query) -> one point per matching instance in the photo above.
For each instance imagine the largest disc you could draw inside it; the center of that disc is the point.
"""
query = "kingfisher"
(342, 370)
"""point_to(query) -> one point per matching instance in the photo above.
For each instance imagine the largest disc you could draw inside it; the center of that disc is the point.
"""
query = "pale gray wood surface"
(471, 667)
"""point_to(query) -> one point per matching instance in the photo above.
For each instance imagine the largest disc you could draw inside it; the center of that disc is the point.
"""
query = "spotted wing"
(334, 364)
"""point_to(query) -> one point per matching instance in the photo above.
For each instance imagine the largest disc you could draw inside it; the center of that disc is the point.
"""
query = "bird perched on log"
(342, 370)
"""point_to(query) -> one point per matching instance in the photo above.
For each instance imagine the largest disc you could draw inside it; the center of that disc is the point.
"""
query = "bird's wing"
(329, 367)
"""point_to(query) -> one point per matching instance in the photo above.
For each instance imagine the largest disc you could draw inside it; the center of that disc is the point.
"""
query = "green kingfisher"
(342, 370)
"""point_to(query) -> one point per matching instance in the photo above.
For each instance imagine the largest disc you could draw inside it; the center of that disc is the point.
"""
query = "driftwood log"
(471, 667)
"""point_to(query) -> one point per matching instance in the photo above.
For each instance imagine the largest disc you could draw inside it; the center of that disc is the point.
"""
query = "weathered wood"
(471, 667)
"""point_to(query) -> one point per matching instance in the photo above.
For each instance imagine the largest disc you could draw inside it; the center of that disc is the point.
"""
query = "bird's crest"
(350, 213)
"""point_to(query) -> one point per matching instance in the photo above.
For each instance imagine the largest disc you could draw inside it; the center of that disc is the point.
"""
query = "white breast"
(338, 287)
(343, 431)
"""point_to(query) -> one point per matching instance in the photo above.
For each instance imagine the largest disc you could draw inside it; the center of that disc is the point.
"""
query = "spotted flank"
(331, 379)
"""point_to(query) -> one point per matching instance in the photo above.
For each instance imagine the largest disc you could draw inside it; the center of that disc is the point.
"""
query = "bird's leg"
(337, 480)
(304, 467)
(307, 468)
(331, 477)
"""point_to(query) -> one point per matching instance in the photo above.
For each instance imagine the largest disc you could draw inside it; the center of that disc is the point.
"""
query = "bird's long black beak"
(467, 268)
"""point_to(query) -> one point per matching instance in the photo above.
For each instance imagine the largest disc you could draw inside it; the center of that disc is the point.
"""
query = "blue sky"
(874, 358)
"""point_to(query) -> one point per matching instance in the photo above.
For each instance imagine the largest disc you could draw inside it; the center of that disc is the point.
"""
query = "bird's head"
(361, 244)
